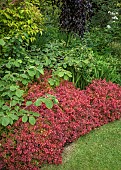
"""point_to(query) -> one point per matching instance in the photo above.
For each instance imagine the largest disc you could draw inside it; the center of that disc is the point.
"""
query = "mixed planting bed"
(60, 77)
(24, 146)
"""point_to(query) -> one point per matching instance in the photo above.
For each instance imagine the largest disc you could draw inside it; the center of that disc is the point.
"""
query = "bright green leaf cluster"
(22, 19)
(48, 100)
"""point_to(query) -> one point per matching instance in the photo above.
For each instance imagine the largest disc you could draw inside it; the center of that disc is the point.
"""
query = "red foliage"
(106, 98)
(28, 147)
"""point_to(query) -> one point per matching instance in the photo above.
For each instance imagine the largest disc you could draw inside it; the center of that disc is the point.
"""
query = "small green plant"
(48, 100)
(15, 76)
(12, 91)
(108, 68)
(58, 74)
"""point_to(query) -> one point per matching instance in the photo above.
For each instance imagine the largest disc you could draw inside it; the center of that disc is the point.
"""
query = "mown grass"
(98, 150)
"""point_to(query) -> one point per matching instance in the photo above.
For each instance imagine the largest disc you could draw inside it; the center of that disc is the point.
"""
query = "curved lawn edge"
(78, 112)
(98, 150)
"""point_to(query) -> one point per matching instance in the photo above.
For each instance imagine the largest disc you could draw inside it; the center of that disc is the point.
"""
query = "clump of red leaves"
(28, 147)
(105, 97)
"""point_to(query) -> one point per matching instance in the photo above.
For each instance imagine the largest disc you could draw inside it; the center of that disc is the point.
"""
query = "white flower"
(112, 13)
(115, 18)
(108, 26)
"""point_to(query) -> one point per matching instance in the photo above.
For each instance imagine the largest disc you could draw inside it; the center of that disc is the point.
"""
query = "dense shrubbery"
(81, 61)
(106, 98)
(22, 60)
(24, 146)
(21, 19)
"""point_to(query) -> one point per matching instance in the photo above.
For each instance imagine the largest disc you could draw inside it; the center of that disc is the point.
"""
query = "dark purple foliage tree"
(75, 14)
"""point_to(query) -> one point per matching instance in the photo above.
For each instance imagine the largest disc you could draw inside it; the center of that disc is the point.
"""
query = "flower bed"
(78, 112)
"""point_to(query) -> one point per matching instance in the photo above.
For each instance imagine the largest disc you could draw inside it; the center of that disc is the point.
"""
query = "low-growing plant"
(106, 98)
(24, 146)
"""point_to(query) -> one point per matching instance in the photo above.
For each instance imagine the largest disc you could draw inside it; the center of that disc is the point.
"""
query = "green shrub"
(100, 9)
(102, 37)
(23, 19)
(17, 69)
(83, 64)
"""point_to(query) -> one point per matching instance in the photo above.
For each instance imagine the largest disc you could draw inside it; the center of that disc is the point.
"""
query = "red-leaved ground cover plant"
(26, 147)
(106, 98)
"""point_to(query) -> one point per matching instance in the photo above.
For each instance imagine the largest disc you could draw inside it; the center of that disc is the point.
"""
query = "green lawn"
(98, 150)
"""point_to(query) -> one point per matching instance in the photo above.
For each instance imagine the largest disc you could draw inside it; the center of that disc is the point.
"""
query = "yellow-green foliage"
(22, 19)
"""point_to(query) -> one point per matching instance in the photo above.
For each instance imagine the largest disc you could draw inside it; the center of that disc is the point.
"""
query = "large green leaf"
(24, 76)
(5, 121)
(25, 82)
(19, 93)
(55, 101)
(51, 82)
(5, 107)
(2, 42)
(13, 87)
(37, 74)
(2, 114)
(38, 102)
(66, 77)
(31, 73)
(32, 120)
(35, 114)
(13, 102)
(41, 70)
(24, 118)
(11, 121)
(8, 65)
(13, 116)
(48, 103)
(69, 73)
(16, 63)
(61, 74)
(28, 103)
